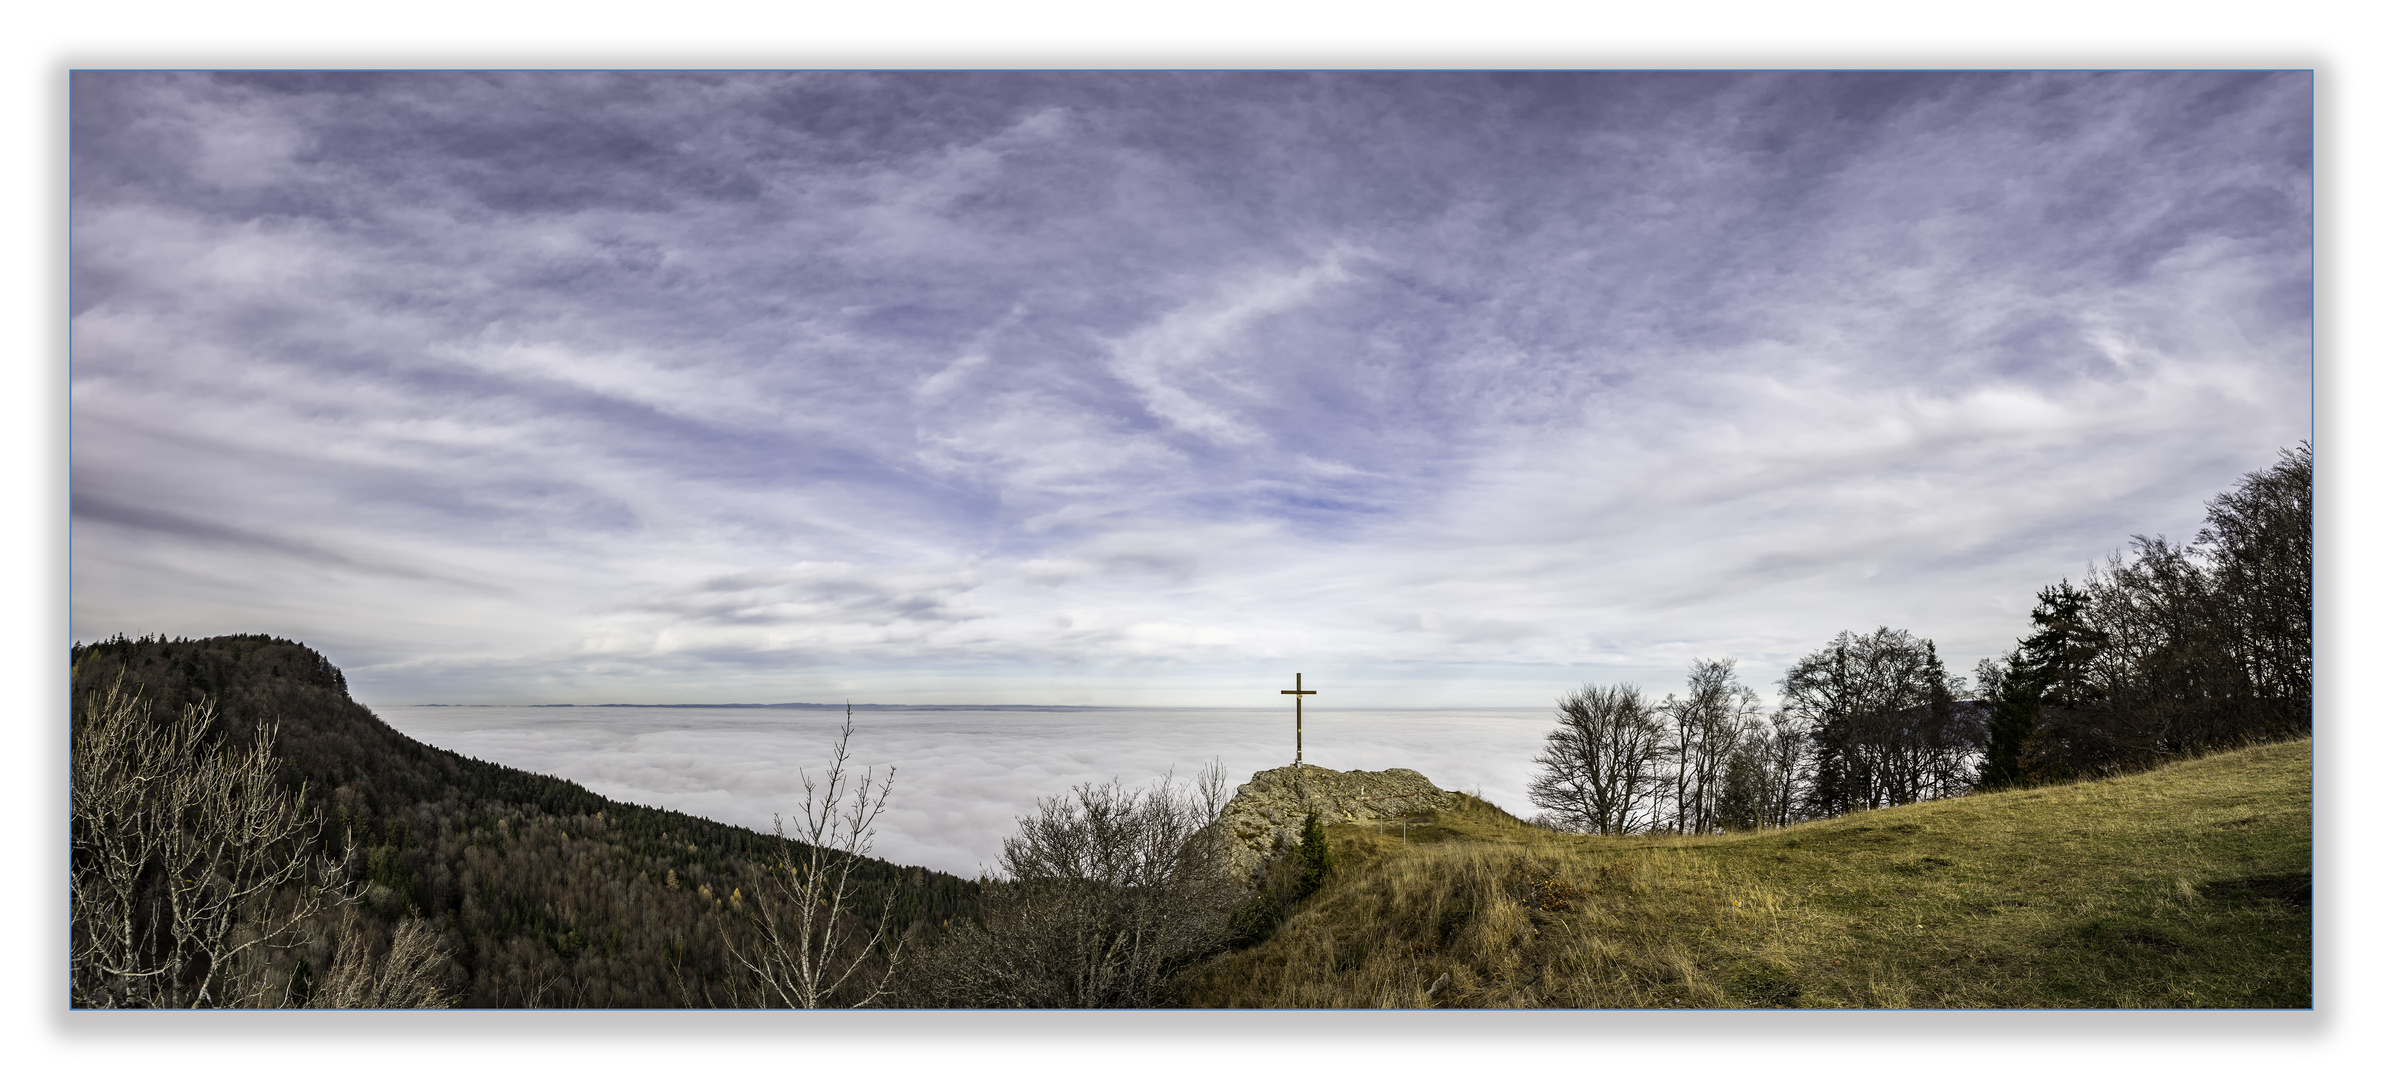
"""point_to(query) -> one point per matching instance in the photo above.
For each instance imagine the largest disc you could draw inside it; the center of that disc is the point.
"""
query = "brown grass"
(2183, 887)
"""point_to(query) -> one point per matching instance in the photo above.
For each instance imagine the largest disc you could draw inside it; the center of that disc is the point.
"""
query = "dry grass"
(2184, 887)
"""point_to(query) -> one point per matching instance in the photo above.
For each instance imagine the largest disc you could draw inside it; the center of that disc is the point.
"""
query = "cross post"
(1299, 721)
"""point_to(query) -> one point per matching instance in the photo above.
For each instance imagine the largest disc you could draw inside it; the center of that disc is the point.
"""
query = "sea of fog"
(964, 775)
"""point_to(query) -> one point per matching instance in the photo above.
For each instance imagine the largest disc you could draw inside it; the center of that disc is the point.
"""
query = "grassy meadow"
(2184, 887)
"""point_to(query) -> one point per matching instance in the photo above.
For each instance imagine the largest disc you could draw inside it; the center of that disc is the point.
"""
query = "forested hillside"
(542, 892)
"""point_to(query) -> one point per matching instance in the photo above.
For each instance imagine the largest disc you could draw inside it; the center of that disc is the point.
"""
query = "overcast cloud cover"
(1154, 388)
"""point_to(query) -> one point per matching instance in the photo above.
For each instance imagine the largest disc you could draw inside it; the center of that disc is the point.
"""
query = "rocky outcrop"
(1267, 812)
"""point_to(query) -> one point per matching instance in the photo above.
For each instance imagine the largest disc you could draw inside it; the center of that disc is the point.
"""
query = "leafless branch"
(809, 949)
(189, 862)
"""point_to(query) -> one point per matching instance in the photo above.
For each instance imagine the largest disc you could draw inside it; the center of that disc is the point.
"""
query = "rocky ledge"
(1266, 813)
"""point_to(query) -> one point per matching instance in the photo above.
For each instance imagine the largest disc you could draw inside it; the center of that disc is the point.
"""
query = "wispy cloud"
(1119, 386)
(1186, 366)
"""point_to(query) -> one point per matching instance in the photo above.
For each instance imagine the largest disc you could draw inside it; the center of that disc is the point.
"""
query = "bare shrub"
(1108, 892)
(408, 976)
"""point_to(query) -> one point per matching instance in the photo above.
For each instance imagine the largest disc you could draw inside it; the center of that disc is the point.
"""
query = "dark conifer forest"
(542, 893)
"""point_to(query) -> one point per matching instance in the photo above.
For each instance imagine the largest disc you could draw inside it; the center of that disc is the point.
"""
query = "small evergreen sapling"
(1314, 856)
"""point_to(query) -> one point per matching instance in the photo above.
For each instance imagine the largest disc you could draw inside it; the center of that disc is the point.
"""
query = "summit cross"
(1299, 721)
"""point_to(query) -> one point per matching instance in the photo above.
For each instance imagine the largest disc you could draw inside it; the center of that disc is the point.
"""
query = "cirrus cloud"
(1134, 387)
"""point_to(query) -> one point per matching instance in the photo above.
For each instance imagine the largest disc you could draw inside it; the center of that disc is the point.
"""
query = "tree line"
(2164, 650)
(2168, 649)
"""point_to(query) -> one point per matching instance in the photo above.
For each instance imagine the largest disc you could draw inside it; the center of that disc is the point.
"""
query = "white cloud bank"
(962, 779)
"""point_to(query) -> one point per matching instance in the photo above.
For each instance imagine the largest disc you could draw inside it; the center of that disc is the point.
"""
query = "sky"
(1154, 388)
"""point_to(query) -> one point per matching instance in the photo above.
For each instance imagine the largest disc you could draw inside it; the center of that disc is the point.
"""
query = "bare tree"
(409, 976)
(190, 865)
(2261, 540)
(1763, 776)
(1109, 891)
(809, 946)
(1599, 764)
(1879, 711)
(1786, 755)
(1705, 729)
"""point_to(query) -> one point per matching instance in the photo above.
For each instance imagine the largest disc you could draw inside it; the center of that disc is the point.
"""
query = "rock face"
(1268, 811)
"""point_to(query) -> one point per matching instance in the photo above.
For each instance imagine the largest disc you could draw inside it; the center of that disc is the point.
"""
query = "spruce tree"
(1315, 855)
(2054, 702)
(2018, 699)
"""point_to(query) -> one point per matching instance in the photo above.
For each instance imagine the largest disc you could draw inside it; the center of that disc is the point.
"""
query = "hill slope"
(547, 893)
(2187, 886)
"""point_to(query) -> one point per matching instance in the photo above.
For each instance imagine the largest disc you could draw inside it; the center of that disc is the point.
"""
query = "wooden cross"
(1299, 721)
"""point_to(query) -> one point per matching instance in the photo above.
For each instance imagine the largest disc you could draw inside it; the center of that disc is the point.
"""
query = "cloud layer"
(1150, 388)
(963, 778)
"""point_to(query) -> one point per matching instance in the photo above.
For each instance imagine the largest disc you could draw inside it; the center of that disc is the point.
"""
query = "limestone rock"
(1267, 812)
